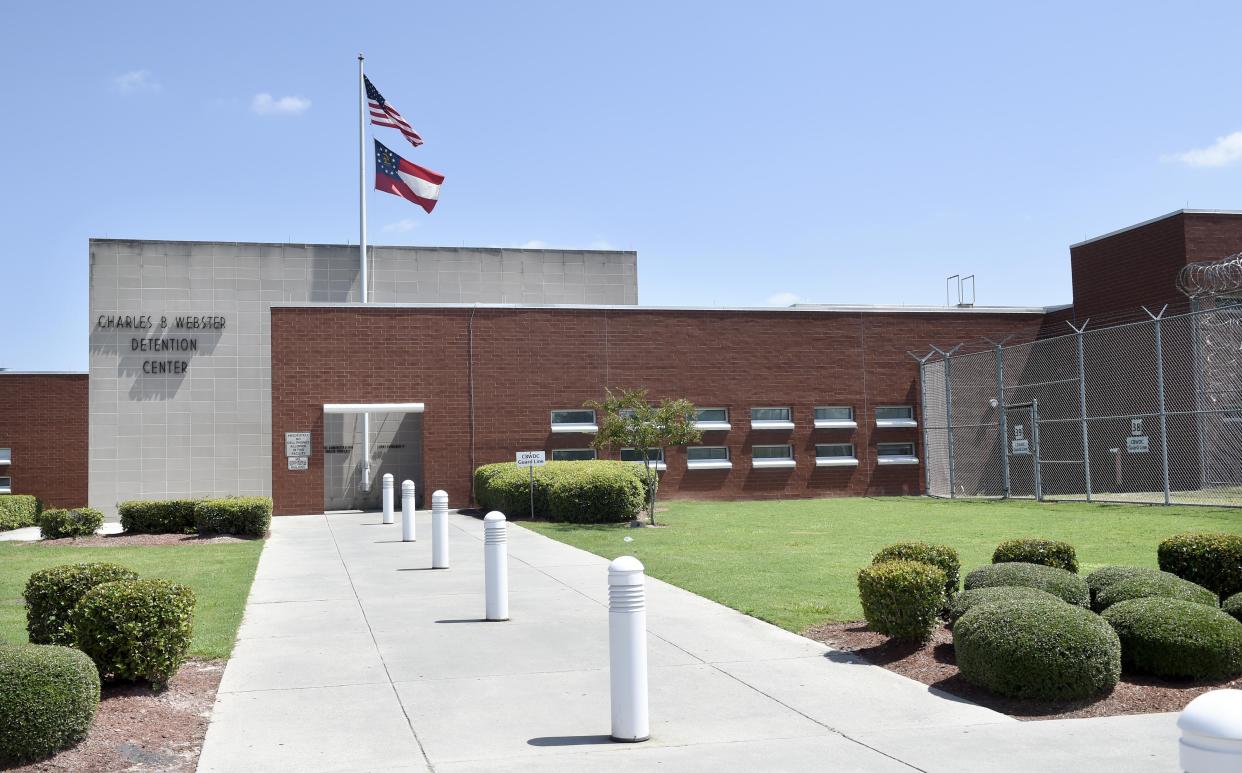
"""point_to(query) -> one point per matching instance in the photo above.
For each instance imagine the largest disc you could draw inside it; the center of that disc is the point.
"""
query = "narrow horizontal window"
(626, 413)
(770, 414)
(894, 449)
(834, 413)
(707, 454)
(572, 454)
(6, 485)
(713, 415)
(771, 452)
(894, 412)
(6, 456)
(634, 455)
(573, 417)
(834, 451)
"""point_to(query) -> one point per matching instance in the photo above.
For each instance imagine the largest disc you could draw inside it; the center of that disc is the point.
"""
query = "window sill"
(835, 461)
(835, 424)
(713, 426)
(711, 464)
(897, 460)
(578, 428)
(896, 423)
(771, 463)
(659, 466)
(771, 425)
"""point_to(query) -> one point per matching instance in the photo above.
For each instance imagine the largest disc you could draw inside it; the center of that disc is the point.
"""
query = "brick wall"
(43, 419)
(526, 362)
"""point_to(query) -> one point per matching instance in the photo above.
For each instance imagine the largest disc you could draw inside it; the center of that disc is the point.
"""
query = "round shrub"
(1108, 575)
(18, 511)
(135, 629)
(1176, 638)
(1045, 552)
(1211, 560)
(941, 556)
(52, 593)
(48, 697)
(902, 599)
(1154, 585)
(1061, 583)
(969, 599)
(1232, 606)
(1037, 649)
(78, 522)
(600, 492)
(157, 516)
(251, 516)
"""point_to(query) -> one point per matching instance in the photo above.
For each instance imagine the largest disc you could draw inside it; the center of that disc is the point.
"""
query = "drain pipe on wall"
(470, 380)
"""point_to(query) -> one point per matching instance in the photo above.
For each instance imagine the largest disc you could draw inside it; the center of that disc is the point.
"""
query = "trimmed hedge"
(597, 494)
(52, 593)
(1042, 650)
(1045, 552)
(135, 629)
(596, 491)
(1175, 638)
(1154, 585)
(941, 556)
(48, 697)
(234, 515)
(1106, 576)
(78, 522)
(1211, 560)
(902, 599)
(1061, 583)
(969, 599)
(1232, 606)
(18, 511)
(157, 516)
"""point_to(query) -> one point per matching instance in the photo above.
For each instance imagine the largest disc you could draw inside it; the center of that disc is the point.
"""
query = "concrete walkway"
(355, 656)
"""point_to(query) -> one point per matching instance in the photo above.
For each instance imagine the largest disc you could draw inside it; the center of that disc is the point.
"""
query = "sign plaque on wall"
(299, 463)
(297, 444)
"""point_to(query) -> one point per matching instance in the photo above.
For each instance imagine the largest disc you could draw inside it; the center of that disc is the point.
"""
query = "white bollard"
(388, 497)
(439, 531)
(496, 565)
(407, 511)
(627, 650)
(1211, 728)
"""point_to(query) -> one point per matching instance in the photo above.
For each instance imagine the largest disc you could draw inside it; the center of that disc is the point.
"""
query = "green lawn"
(220, 575)
(794, 562)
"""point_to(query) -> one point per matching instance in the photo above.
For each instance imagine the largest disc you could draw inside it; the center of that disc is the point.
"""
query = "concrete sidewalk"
(355, 656)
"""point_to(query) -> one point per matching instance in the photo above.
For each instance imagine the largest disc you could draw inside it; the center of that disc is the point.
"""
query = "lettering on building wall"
(176, 323)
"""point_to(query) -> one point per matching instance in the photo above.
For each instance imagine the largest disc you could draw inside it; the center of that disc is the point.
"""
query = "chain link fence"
(1144, 412)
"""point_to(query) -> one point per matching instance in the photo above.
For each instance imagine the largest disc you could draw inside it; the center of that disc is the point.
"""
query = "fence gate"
(1022, 451)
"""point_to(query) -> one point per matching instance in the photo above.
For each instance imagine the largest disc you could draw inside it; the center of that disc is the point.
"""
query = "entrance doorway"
(392, 433)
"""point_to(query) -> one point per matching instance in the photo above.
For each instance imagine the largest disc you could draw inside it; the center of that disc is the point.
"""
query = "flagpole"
(362, 250)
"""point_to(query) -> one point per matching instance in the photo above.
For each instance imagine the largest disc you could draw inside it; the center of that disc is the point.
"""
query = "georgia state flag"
(395, 175)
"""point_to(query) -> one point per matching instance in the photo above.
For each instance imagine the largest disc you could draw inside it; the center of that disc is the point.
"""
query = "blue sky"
(751, 153)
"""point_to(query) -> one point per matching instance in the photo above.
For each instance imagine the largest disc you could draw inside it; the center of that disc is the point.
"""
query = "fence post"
(1164, 435)
(1082, 403)
(926, 456)
(1002, 419)
(1039, 482)
(948, 409)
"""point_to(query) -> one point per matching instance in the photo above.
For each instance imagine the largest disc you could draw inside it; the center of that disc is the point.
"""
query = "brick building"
(203, 356)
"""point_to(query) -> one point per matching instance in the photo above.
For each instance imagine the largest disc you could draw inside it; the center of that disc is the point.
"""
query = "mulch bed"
(118, 540)
(933, 664)
(137, 728)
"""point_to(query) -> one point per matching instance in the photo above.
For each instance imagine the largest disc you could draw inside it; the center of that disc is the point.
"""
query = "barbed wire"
(1211, 277)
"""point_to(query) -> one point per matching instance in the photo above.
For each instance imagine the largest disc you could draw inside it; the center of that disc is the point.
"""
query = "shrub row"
(1045, 552)
(48, 697)
(77, 522)
(228, 515)
(1211, 560)
(131, 628)
(580, 492)
(1065, 585)
(18, 511)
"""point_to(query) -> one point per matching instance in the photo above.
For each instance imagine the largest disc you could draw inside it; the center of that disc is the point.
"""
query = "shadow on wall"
(159, 363)
(396, 448)
(331, 280)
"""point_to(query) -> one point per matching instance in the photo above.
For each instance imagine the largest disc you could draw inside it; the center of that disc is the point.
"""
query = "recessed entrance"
(361, 443)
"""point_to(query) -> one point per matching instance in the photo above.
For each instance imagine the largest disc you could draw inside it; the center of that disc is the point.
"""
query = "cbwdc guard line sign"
(531, 459)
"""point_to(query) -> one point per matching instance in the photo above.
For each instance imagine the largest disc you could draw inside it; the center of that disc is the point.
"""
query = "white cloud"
(266, 104)
(1225, 151)
(401, 226)
(534, 244)
(134, 82)
(785, 299)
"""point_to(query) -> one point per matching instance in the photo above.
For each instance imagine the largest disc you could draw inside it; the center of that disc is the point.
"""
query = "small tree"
(628, 420)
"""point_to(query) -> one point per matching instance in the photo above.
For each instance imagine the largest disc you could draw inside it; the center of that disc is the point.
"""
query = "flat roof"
(802, 307)
(43, 373)
(354, 246)
(1157, 220)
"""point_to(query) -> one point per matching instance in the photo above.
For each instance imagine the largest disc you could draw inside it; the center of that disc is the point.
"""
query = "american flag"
(384, 114)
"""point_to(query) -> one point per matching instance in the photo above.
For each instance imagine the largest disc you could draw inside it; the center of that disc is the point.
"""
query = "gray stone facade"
(179, 345)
